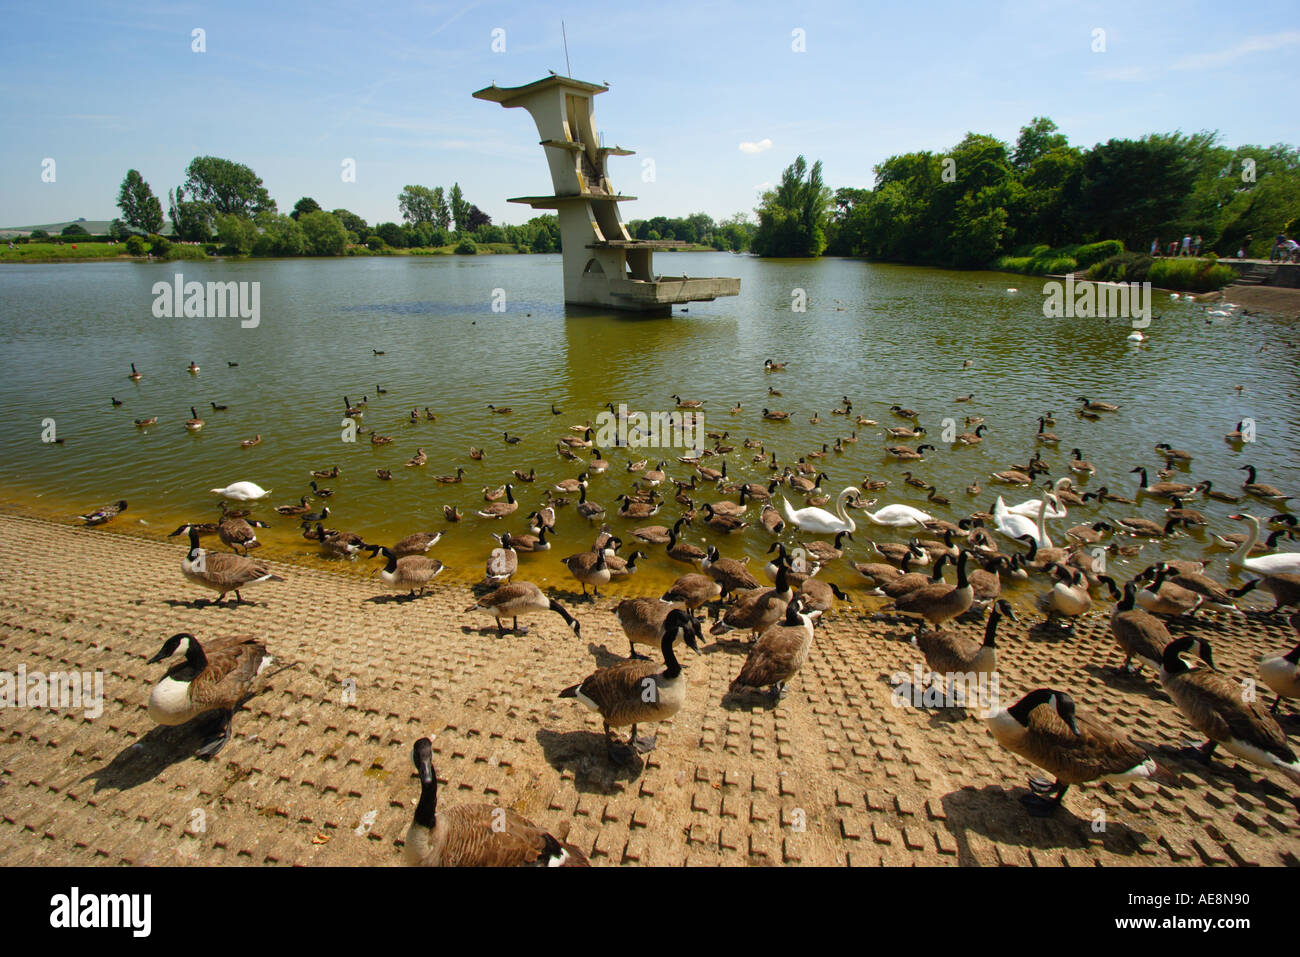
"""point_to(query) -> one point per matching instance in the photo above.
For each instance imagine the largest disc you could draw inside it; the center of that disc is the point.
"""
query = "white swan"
(1278, 562)
(242, 491)
(899, 516)
(1055, 508)
(818, 520)
(1014, 525)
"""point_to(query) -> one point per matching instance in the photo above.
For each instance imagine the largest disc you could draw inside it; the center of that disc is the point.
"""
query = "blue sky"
(712, 92)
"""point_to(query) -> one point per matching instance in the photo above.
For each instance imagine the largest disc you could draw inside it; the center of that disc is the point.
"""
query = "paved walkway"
(836, 774)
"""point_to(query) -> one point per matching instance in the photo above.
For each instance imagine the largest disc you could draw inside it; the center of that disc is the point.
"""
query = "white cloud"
(761, 146)
(763, 186)
(1260, 44)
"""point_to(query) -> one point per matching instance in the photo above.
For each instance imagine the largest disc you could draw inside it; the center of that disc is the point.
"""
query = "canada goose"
(571, 485)
(588, 509)
(242, 491)
(1145, 528)
(589, 568)
(544, 517)
(1138, 633)
(1207, 489)
(1211, 591)
(903, 413)
(823, 552)
(213, 678)
(249, 443)
(320, 516)
(223, 573)
(732, 574)
(105, 513)
(1077, 464)
(502, 563)
(1012, 477)
(451, 479)
(418, 459)
(521, 598)
(773, 415)
(1260, 490)
(687, 403)
(771, 520)
(1097, 406)
(1283, 586)
(909, 479)
(1214, 705)
(239, 533)
(416, 544)
(116, 401)
(779, 652)
(326, 473)
(1161, 489)
(351, 411)
(320, 492)
(949, 655)
(904, 454)
(451, 513)
(1282, 672)
(693, 590)
(500, 509)
(642, 620)
(712, 474)
(134, 376)
(682, 551)
(408, 572)
(1068, 597)
(301, 508)
(1089, 534)
(194, 423)
(531, 541)
(1163, 597)
(637, 692)
(636, 510)
(342, 544)
(909, 581)
(385, 474)
(504, 410)
(1044, 729)
(759, 609)
(476, 835)
(972, 438)
(901, 432)
(818, 597)
(1047, 438)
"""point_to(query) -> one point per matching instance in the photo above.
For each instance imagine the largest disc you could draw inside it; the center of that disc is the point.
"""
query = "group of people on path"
(1285, 249)
(1190, 246)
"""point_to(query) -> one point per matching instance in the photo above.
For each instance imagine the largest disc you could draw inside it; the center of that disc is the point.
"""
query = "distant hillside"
(96, 227)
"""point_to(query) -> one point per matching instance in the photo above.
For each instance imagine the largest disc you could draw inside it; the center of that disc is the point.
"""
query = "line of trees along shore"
(985, 198)
(225, 204)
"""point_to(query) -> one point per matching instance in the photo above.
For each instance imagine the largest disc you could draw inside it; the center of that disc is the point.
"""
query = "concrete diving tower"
(603, 265)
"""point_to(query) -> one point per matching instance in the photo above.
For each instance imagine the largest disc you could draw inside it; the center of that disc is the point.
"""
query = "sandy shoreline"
(313, 778)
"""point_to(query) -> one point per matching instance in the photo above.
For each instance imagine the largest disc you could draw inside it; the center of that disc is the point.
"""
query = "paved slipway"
(835, 775)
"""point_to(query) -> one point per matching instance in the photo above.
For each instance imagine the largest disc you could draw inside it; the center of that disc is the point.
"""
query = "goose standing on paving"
(1214, 705)
(638, 692)
(949, 655)
(408, 572)
(1163, 597)
(759, 609)
(1044, 729)
(520, 598)
(502, 563)
(939, 602)
(693, 590)
(476, 835)
(216, 677)
(220, 572)
(779, 653)
(1068, 597)
(1282, 672)
(642, 620)
(1138, 633)
(589, 568)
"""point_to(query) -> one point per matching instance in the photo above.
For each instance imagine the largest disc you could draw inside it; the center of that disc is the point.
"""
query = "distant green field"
(56, 252)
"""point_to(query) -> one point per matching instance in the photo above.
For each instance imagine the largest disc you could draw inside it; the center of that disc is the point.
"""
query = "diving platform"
(604, 266)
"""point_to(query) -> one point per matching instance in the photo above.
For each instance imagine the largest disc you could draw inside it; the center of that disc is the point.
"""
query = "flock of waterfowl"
(987, 550)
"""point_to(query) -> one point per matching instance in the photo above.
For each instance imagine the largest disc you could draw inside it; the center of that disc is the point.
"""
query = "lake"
(879, 334)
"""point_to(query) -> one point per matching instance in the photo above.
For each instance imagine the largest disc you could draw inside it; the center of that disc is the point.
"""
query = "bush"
(1124, 267)
(158, 246)
(39, 234)
(75, 229)
(1058, 265)
(466, 247)
(1096, 252)
(135, 246)
(376, 242)
(1192, 275)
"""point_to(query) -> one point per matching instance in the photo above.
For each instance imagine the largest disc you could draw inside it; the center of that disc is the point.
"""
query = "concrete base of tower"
(657, 296)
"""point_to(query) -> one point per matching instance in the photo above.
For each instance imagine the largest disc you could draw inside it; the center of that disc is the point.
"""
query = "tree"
(135, 245)
(1135, 189)
(441, 212)
(140, 207)
(192, 221)
(324, 234)
(476, 219)
(281, 236)
(75, 229)
(416, 204)
(227, 186)
(38, 234)
(459, 208)
(466, 247)
(352, 222)
(237, 234)
(391, 233)
(1037, 138)
(792, 218)
(118, 230)
(304, 206)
